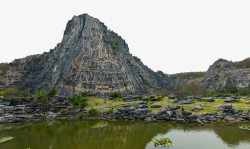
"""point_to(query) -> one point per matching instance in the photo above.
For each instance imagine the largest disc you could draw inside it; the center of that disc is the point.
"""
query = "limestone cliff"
(92, 58)
(223, 72)
(89, 58)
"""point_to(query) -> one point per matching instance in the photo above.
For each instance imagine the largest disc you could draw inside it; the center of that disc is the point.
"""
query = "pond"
(122, 135)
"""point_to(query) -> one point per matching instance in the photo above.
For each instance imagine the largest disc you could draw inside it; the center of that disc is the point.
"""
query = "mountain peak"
(89, 58)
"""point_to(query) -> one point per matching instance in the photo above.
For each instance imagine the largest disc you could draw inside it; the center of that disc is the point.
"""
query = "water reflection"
(123, 135)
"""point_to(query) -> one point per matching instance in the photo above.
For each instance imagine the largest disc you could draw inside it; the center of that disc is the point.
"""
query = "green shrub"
(220, 94)
(244, 91)
(145, 98)
(116, 95)
(93, 112)
(64, 112)
(110, 111)
(79, 101)
(230, 88)
(53, 92)
(41, 95)
(85, 94)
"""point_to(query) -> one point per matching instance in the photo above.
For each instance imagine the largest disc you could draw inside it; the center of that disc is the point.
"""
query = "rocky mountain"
(89, 58)
(94, 59)
(223, 72)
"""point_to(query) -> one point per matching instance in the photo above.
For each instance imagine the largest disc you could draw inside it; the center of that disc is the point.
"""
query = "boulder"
(231, 99)
(230, 118)
(153, 99)
(210, 99)
(19, 109)
(1, 110)
(171, 96)
(125, 110)
(6, 103)
(142, 106)
(228, 108)
(198, 108)
(9, 109)
(156, 105)
(171, 108)
(185, 102)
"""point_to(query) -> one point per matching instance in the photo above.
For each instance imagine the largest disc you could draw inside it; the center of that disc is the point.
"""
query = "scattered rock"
(155, 105)
(198, 108)
(172, 108)
(231, 99)
(210, 99)
(229, 118)
(185, 102)
(171, 96)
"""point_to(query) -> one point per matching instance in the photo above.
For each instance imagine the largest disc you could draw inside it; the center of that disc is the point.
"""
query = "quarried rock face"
(223, 72)
(90, 58)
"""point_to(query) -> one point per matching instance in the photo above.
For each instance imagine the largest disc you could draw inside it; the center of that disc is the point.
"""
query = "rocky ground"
(185, 109)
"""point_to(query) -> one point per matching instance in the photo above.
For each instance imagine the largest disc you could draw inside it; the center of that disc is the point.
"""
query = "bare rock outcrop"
(223, 72)
(89, 58)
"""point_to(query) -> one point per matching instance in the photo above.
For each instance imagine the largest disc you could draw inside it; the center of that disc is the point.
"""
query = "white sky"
(169, 35)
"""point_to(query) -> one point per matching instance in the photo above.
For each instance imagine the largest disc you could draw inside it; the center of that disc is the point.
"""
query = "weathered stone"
(89, 58)
(174, 107)
(210, 99)
(230, 118)
(198, 108)
(185, 102)
(223, 72)
(155, 105)
(231, 99)
(6, 103)
(171, 96)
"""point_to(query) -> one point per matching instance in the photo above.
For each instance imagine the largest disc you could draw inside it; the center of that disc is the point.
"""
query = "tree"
(244, 91)
(230, 88)
(79, 101)
(41, 95)
(116, 95)
(53, 92)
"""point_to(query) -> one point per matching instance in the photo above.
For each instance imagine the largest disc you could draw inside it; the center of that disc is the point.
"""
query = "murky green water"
(123, 135)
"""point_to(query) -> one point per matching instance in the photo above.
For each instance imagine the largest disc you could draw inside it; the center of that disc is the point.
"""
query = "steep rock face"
(94, 59)
(182, 79)
(223, 72)
(89, 58)
(10, 74)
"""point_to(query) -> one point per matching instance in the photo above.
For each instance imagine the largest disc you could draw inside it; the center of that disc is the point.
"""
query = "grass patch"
(104, 105)
(209, 107)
